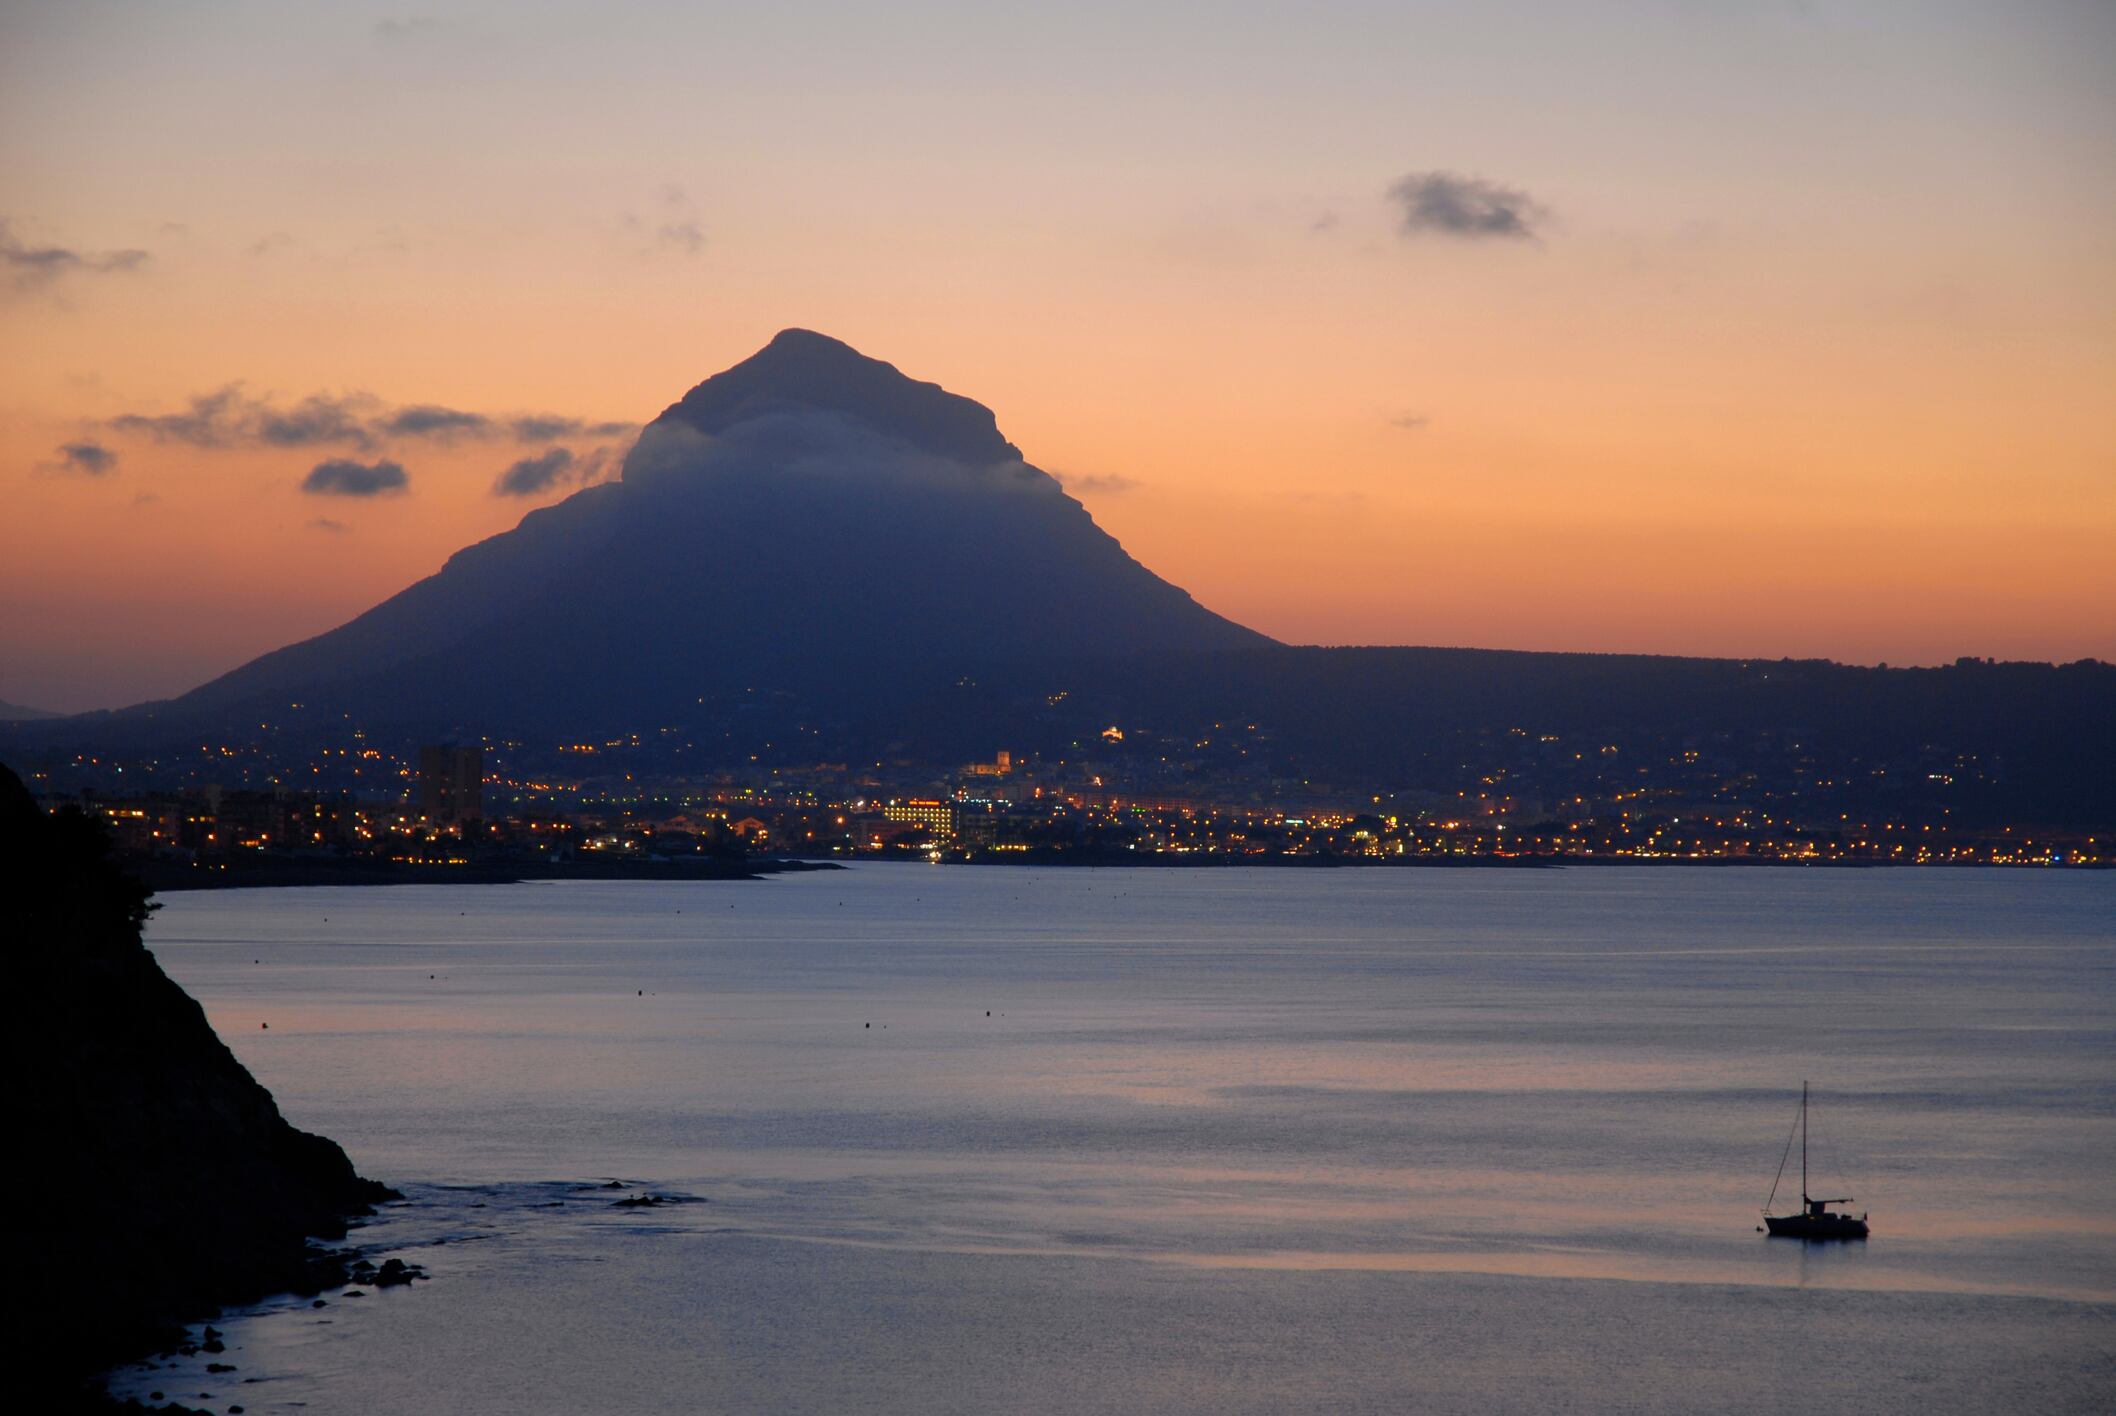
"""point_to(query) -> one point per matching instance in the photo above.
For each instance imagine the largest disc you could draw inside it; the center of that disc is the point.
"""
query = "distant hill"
(1974, 743)
(16, 713)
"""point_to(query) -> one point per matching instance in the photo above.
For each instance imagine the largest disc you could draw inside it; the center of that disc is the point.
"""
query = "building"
(938, 817)
(999, 766)
(452, 783)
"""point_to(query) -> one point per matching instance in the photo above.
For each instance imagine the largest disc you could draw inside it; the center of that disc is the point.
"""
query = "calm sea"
(946, 1139)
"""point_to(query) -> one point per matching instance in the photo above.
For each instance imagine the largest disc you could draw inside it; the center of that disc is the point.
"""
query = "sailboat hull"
(1815, 1226)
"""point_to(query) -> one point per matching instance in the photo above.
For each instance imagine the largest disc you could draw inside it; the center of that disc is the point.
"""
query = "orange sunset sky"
(1698, 328)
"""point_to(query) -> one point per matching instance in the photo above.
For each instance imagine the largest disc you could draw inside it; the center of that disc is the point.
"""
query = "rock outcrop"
(156, 1180)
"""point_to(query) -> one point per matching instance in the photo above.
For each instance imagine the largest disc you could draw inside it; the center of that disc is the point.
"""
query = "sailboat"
(1813, 1221)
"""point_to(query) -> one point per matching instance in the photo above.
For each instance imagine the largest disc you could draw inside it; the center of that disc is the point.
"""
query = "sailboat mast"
(1803, 1143)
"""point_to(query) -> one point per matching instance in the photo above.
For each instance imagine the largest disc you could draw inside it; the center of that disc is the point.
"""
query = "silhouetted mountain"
(808, 515)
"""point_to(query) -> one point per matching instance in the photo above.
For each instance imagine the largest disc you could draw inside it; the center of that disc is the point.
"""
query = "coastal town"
(604, 805)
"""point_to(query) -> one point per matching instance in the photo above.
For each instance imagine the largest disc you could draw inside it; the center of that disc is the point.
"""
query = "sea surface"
(948, 1139)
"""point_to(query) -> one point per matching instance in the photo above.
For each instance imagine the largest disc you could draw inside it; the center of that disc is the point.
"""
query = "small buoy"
(866, 1025)
(264, 1025)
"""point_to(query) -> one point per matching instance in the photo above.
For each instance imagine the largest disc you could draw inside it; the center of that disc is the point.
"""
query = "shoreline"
(1202, 861)
(168, 877)
(265, 872)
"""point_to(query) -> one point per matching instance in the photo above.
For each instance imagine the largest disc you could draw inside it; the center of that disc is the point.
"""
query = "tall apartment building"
(452, 783)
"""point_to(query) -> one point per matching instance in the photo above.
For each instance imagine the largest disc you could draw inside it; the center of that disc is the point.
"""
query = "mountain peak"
(795, 338)
(810, 521)
(801, 371)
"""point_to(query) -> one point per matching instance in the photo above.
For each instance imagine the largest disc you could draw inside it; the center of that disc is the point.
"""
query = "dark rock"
(395, 1272)
(219, 1367)
(204, 1195)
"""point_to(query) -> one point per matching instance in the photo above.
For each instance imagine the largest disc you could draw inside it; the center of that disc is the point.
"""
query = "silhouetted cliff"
(157, 1179)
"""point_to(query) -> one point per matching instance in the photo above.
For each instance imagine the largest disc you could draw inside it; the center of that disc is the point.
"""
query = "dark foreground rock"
(157, 1180)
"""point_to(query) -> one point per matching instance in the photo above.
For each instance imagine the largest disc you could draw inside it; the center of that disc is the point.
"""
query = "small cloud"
(146, 498)
(556, 467)
(677, 227)
(1449, 204)
(1410, 422)
(532, 475)
(431, 420)
(385, 240)
(229, 417)
(543, 427)
(400, 29)
(325, 523)
(84, 459)
(317, 421)
(342, 477)
(685, 236)
(1108, 485)
(271, 241)
(205, 424)
(33, 267)
(1327, 222)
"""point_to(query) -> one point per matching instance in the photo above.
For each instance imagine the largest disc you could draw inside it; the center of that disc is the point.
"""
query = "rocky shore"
(156, 1181)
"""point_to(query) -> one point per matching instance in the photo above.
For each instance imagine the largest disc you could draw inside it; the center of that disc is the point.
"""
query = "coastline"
(273, 872)
(1200, 861)
(264, 872)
